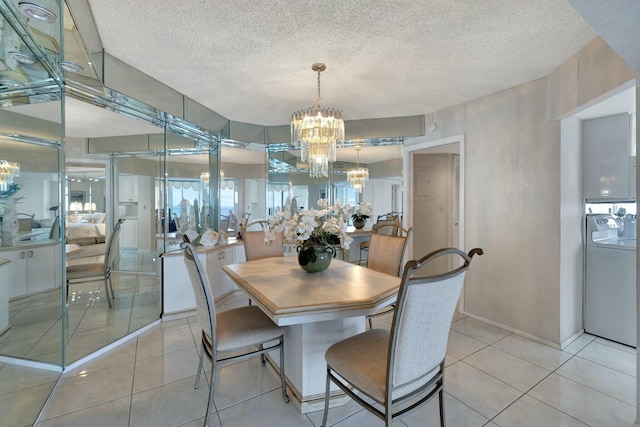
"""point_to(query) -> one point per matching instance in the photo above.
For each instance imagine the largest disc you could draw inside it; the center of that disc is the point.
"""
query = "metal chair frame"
(393, 408)
(388, 223)
(209, 343)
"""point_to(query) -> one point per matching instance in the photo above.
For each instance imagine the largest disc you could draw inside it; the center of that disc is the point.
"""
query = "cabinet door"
(16, 270)
(227, 257)
(41, 269)
(606, 147)
(129, 234)
(220, 283)
(127, 188)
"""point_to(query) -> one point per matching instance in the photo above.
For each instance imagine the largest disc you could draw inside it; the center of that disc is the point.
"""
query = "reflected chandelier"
(8, 171)
(358, 175)
(317, 131)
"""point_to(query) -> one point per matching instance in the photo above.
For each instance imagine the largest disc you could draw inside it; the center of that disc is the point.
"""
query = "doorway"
(434, 185)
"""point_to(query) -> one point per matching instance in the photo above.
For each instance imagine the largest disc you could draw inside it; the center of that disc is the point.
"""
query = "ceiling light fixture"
(23, 58)
(317, 131)
(37, 12)
(71, 67)
(358, 175)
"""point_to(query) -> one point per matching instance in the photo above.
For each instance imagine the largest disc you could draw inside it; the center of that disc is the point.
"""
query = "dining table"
(318, 310)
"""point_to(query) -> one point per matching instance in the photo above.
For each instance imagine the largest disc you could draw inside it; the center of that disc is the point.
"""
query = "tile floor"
(493, 378)
(36, 320)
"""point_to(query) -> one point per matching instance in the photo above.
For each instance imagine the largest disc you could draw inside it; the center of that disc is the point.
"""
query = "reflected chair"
(401, 369)
(54, 233)
(254, 244)
(245, 330)
(25, 221)
(81, 273)
(388, 223)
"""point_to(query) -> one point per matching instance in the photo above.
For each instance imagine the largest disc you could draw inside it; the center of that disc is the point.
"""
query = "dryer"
(610, 281)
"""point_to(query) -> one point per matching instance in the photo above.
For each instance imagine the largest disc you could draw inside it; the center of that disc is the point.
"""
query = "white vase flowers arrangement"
(313, 229)
(362, 213)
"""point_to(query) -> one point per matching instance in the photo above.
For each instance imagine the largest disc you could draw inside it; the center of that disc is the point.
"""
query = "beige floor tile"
(528, 411)
(481, 331)
(579, 343)
(172, 404)
(243, 380)
(252, 413)
(164, 369)
(460, 345)
(606, 380)
(361, 419)
(456, 413)
(15, 377)
(512, 370)
(457, 316)
(21, 408)
(160, 341)
(124, 354)
(81, 391)
(539, 354)
(110, 414)
(613, 344)
(583, 403)
(478, 390)
(336, 414)
(611, 357)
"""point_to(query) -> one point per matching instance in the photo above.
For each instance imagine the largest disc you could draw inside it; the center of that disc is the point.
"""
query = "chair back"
(25, 221)
(202, 291)
(421, 322)
(254, 243)
(387, 251)
(109, 256)
(388, 224)
(54, 234)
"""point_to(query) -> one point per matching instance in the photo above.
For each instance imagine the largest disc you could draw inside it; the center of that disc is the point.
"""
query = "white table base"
(305, 367)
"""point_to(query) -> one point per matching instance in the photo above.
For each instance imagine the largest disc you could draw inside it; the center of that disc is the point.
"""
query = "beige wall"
(515, 165)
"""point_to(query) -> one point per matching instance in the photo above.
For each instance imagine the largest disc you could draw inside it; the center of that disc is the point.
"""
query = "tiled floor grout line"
(526, 393)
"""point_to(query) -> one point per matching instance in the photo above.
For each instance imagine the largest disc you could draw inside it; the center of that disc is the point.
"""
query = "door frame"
(407, 166)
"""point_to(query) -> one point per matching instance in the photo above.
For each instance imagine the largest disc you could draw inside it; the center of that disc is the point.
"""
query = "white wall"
(517, 206)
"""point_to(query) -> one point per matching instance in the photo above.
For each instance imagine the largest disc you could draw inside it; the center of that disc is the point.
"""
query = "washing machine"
(610, 281)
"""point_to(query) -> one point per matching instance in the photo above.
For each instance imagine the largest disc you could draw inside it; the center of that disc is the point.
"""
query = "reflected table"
(318, 309)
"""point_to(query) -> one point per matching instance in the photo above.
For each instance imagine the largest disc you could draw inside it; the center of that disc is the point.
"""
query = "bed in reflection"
(86, 229)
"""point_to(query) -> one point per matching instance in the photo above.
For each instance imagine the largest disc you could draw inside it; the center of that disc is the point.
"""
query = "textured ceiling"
(251, 60)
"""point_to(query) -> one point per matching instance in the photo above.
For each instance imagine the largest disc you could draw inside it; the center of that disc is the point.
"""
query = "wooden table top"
(289, 295)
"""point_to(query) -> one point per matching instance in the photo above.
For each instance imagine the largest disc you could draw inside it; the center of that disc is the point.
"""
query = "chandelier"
(317, 131)
(358, 175)
(8, 171)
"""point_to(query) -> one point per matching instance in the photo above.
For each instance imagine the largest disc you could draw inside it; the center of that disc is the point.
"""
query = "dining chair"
(386, 253)
(54, 233)
(81, 273)
(388, 223)
(24, 221)
(402, 368)
(243, 332)
(254, 244)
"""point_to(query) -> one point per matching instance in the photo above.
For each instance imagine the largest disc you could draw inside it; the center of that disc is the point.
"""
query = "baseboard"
(30, 363)
(515, 331)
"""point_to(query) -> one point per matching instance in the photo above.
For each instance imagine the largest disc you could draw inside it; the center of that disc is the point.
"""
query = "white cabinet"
(129, 234)
(221, 284)
(32, 269)
(178, 293)
(606, 158)
(127, 188)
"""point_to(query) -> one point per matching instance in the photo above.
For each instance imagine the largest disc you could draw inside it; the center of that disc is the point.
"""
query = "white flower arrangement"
(363, 212)
(313, 228)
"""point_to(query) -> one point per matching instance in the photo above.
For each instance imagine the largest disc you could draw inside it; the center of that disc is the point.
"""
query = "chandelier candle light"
(317, 131)
(358, 175)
